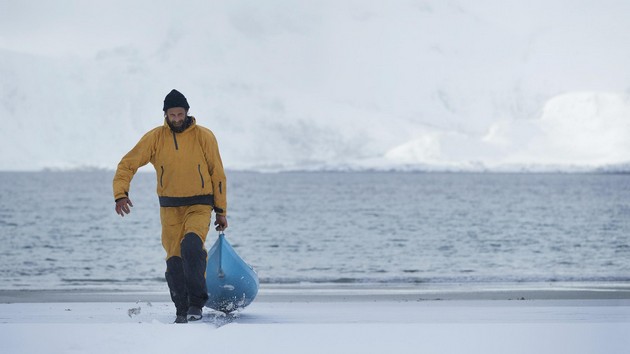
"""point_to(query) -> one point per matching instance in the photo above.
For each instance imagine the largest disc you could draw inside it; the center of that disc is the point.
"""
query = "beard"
(180, 128)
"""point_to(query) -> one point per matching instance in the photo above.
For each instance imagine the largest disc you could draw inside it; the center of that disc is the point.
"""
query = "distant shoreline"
(620, 169)
(350, 293)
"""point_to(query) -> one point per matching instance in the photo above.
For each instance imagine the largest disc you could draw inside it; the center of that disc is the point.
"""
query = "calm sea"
(58, 230)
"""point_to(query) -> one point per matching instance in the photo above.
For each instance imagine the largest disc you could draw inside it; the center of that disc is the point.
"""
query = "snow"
(321, 85)
(468, 326)
(581, 129)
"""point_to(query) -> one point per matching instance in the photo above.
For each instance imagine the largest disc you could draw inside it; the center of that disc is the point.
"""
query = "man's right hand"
(122, 206)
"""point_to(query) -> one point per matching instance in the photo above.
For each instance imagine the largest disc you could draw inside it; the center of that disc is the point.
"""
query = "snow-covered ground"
(340, 324)
(446, 318)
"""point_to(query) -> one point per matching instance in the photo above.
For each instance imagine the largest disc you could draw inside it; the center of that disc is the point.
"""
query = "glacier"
(328, 85)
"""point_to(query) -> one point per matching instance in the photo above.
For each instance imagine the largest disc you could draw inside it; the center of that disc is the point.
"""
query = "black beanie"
(175, 99)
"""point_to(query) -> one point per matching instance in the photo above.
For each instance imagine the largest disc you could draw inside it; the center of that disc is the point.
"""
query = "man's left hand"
(221, 223)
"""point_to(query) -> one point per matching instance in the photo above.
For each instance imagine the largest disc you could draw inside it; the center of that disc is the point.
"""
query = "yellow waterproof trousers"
(179, 221)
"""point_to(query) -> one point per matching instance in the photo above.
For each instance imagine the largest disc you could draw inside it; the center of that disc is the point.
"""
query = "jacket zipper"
(162, 176)
(175, 140)
(200, 175)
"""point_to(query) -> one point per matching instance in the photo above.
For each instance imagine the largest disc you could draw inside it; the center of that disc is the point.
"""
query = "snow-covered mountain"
(483, 85)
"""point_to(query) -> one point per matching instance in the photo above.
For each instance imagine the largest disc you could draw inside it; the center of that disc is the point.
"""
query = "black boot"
(176, 281)
(194, 260)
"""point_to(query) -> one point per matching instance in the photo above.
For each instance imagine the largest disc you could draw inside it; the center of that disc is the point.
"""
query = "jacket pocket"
(203, 183)
(162, 177)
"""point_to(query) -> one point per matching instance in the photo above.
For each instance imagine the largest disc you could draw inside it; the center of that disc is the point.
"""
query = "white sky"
(301, 83)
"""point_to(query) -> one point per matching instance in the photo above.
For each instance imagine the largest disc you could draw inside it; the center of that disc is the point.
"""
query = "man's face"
(176, 116)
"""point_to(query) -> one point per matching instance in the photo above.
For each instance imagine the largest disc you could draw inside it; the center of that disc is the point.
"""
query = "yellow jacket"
(188, 165)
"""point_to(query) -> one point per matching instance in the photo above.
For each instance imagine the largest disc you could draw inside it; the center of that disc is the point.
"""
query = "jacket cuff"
(219, 211)
(118, 197)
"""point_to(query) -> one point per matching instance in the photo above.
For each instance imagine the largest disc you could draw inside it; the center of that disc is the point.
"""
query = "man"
(190, 184)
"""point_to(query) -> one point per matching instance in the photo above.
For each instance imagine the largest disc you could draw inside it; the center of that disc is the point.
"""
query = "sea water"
(58, 230)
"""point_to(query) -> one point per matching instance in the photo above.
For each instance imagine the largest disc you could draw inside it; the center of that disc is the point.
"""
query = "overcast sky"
(293, 84)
